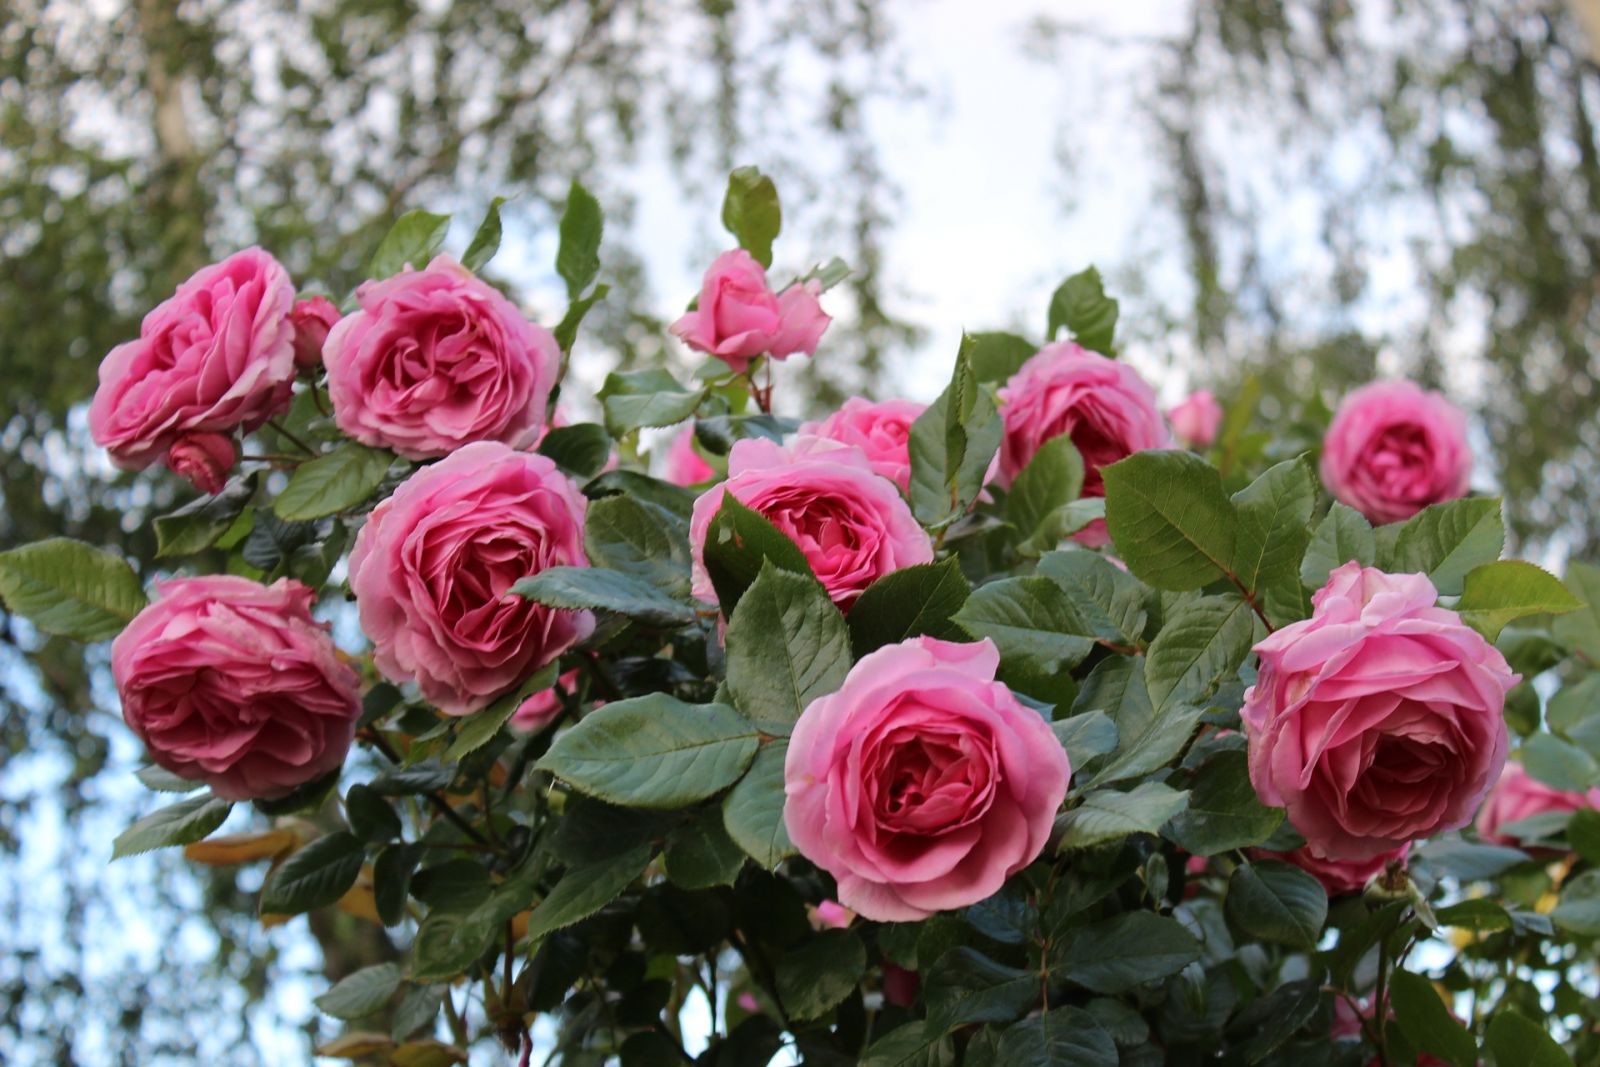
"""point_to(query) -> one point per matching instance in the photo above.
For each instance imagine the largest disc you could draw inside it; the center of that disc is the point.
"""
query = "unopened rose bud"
(312, 318)
(204, 459)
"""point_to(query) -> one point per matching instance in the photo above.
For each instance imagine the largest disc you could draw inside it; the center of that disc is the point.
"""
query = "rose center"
(932, 781)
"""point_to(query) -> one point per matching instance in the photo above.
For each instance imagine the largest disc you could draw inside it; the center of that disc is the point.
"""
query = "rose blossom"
(1337, 876)
(1197, 420)
(234, 684)
(684, 465)
(1377, 720)
(436, 359)
(204, 459)
(922, 783)
(1102, 405)
(1518, 795)
(852, 525)
(431, 568)
(882, 431)
(738, 317)
(312, 317)
(832, 914)
(1393, 449)
(544, 707)
(215, 356)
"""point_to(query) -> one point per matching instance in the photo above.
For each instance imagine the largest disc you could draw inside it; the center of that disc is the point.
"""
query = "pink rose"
(1197, 420)
(1518, 795)
(204, 459)
(881, 430)
(312, 319)
(685, 465)
(1377, 720)
(431, 568)
(922, 784)
(436, 359)
(852, 526)
(215, 356)
(233, 683)
(1393, 449)
(544, 707)
(1338, 877)
(738, 317)
(1103, 406)
(832, 914)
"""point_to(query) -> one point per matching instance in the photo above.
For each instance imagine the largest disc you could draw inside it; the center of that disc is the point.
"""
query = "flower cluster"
(1019, 649)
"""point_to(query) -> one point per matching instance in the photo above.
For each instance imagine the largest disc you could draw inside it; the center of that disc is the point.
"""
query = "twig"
(440, 804)
(280, 428)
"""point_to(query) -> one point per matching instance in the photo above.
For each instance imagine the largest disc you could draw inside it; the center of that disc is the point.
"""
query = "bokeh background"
(1310, 192)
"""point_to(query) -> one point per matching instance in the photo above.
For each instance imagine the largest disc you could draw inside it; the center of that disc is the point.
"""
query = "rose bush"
(991, 729)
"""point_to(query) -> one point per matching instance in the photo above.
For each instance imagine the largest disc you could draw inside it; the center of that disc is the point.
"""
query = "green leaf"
(1169, 519)
(952, 444)
(581, 450)
(413, 240)
(1584, 832)
(653, 752)
(910, 1046)
(578, 255)
(164, 781)
(1146, 740)
(1271, 1020)
(907, 603)
(995, 357)
(1559, 763)
(965, 986)
(1107, 814)
(362, 992)
(391, 881)
(1036, 628)
(182, 823)
(828, 274)
(1081, 306)
(566, 331)
(606, 590)
(1274, 513)
(1578, 910)
(68, 588)
(1061, 1037)
(626, 534)
(820, 973)
(1201, 646)
(314, 877)
(583, 891)
(1277, 902)
(1496, 593)
(201, 522)
(753, 809)
(418, 1007)
(700, 854)
(750, 211)
(1224, 812)
(626, 412)
(1427, 1023)
(1085, 737)
(739, 543)
(335, 482)
(1110, 600)
(1343, 536)
(1580, 630)
(449, 941)
(1127, 951)
(787, 645)
(479, 728)
(1514, 1039)
(371, 817)
(1041, 492)
(486, 240)
(1445, 541)
(719, 433)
